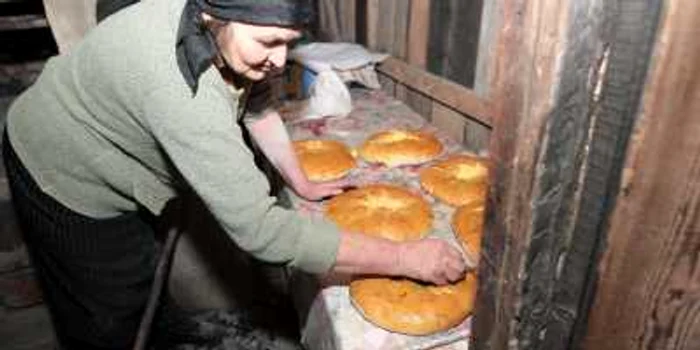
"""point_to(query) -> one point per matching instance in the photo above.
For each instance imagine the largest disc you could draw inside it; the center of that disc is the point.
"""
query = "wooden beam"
(419, 24)
(451, 94)
(648, 295)
(568, 80)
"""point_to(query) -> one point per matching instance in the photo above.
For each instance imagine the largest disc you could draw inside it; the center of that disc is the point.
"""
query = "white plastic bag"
(328, 97)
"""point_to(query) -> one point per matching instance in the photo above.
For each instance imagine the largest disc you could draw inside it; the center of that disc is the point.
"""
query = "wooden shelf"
(22, 22)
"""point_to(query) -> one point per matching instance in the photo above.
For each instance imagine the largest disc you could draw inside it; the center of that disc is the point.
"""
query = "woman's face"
(254, 51)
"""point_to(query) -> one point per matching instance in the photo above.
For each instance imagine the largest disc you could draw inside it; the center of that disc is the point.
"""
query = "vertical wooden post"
(567, 82)
(648, 294)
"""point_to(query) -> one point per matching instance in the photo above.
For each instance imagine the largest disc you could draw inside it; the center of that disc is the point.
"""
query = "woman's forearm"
(362, 254)
(271, 136)
(430, 259)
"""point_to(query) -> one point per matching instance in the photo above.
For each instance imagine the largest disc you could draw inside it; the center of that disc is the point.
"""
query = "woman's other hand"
(315, 191)
(431, 260)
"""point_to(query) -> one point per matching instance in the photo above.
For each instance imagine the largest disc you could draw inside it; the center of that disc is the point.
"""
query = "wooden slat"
(420, 103)
(386, 13)
(400, 92)
(337, 20)
(419, 25)
(372, 17)
(648, 292)
(476, 137)
(23, 22)
(451, 94)
(449, 121)
(401, 18)
(490, 22)
(388, 84)
(527, 43)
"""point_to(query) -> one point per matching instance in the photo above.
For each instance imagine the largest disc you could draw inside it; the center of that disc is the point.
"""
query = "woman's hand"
(314, 191)
(431, 260)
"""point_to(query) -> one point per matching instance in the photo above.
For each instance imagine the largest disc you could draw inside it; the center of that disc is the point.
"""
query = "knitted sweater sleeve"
(200, 136)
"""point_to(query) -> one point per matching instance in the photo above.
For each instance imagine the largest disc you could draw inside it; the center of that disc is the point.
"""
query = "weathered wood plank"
(420, 103)
(555, 145)
(648, 295)
(373, 24)
(490, 22)
(336, 20)
(419, 24)
(451, 94)
(449, 121)
(524, 80)
(401, 18)
(454, 35)
(476, 137)
(388, 84)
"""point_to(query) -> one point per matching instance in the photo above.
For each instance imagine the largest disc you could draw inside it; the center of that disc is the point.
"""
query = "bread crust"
(382, 210)
(457, 180)
(400, 147)
(324, 160)
(405, 306)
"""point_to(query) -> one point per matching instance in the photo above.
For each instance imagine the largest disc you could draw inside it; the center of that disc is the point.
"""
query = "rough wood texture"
(420, 103)
(648, 295)
(451, 94)
(454, 35)
(476, 137)
(336, 20)
(490, 23)
(449, 121)
(524, 80)
(388, 84)
(567, 86)
(602, 72)
(419, 22)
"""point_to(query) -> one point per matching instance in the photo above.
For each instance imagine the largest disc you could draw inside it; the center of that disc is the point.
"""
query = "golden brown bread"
(405, 306)
(457, 180)
(324, 160)
(400, 147)
(380, 210)
(468, 225)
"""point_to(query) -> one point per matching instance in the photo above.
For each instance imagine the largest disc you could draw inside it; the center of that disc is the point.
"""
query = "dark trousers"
(96, 274)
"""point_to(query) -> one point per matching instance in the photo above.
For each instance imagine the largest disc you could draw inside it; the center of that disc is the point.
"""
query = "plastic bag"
(328, 97)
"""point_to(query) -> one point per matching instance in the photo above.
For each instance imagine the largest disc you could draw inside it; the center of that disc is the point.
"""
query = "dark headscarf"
(196, 47)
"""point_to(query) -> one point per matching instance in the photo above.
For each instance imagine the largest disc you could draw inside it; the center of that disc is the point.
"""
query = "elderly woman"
(147, 104)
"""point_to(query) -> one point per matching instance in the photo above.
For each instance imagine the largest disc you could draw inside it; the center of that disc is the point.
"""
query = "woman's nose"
(278, 56)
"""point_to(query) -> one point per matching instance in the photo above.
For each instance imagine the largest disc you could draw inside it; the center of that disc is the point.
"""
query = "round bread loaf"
(468, 225)
(457, 180)
(381, 210)
(324, 160)
(400, 147)
(405, 306)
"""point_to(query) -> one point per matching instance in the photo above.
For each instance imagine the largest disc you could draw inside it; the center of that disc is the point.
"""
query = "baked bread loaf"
(457, 180)
(405, 306)
(400, 147)
(381, 210)
(324, 160)
(468, 225)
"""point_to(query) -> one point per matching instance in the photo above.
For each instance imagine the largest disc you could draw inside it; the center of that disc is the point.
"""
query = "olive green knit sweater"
(112, 125)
